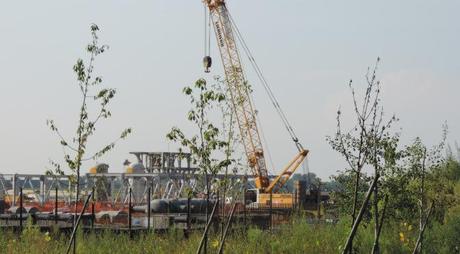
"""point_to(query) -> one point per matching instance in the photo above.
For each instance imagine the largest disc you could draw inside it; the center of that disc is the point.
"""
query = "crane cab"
(279, 200)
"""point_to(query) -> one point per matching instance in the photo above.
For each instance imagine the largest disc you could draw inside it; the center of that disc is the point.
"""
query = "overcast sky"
(308, 51)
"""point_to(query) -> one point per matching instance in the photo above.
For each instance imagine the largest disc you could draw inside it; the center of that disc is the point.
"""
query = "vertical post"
(244, 202)
(207, 212)
(93, 212)
(318, 202)
(222, 216)
(42, 191)
(129, 213)
(295, 200)
(271, 207)
(20, 210)
(14, 190)
(187, 230)
(149, 210)
(70, 192)
(56, 206)
(224, 191)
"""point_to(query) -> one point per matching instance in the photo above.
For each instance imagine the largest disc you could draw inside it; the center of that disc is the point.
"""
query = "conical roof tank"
(135, 168)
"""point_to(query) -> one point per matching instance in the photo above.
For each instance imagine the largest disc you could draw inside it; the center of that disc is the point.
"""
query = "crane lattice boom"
(242, 103)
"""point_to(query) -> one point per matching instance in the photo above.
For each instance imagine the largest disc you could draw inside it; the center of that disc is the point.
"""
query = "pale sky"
(308, 51)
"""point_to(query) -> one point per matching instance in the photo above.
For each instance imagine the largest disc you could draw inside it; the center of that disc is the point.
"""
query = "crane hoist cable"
(205, 45)
(207, 61)
(265, 84)
(207, 31)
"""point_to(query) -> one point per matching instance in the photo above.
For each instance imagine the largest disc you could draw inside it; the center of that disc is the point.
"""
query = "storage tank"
(137, 183)
(101, 184)
(197, 205)
(99, 169)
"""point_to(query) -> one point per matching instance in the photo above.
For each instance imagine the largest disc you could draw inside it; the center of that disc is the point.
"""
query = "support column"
(42, 190)
(14, 190)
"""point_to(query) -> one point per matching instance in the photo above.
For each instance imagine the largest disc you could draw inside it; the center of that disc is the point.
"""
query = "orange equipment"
(243, 106)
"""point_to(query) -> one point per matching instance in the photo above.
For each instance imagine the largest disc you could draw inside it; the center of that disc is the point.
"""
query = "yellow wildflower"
(401, 236)
(47, 237)
(215, 244)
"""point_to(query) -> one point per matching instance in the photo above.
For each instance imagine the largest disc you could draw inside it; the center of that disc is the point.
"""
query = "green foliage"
(444, 238)
(452, 169)
(422, 176)
(345, 187)
(208, 141)
(414, 178)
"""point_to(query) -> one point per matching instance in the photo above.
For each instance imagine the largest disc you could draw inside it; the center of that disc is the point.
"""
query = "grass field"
(296, 237)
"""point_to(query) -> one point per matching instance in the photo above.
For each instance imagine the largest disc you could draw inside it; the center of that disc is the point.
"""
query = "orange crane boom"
(242, 103)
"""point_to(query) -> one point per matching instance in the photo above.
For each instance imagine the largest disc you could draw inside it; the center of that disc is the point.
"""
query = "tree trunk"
(376, 247)
(355, 197)
(351, 236)
(355, 203)
(422, 198)
(418, 246)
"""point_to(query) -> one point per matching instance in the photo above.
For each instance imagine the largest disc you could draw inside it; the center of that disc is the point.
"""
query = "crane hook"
(207, 62)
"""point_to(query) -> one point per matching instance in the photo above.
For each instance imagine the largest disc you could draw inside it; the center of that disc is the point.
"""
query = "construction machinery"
(226, 34)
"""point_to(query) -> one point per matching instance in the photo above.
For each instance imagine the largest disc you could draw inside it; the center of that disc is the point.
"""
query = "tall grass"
(296, 237)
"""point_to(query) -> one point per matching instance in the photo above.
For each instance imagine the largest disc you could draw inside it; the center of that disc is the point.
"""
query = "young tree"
(429, 184)
(95, 100)
(367, 142)
(205, 146)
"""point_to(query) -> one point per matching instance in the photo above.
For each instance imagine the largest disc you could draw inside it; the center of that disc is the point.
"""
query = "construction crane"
(244, 108)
